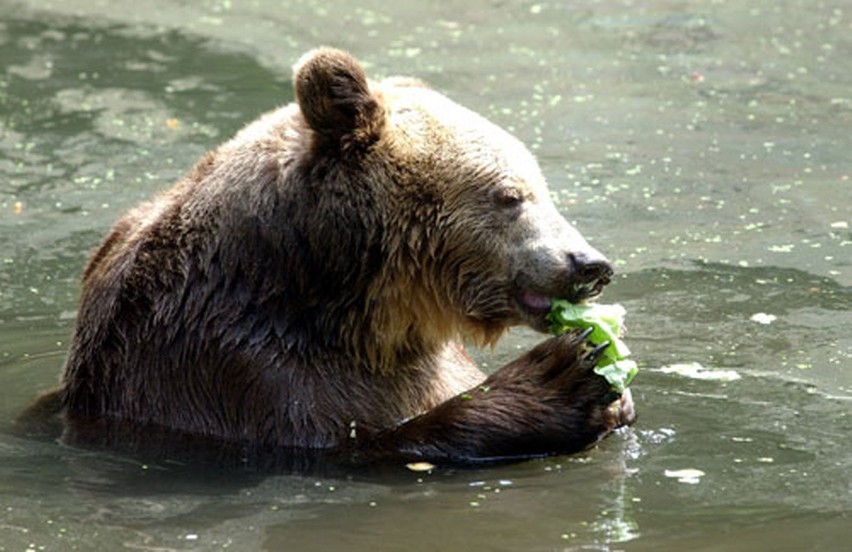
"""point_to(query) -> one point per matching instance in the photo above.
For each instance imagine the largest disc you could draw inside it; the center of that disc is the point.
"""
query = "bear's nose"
(590, 272)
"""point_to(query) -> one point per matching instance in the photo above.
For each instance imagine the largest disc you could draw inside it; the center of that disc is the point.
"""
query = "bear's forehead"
(428, 120)
(421, 107)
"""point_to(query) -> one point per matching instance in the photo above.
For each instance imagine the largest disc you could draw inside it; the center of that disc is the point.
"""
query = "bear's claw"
(593, 355)
(584, 335)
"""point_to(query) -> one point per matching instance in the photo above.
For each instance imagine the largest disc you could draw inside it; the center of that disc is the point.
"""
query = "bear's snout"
(590, 272)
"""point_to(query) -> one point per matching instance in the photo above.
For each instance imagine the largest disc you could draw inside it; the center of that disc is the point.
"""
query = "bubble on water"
(687, 475)
(763, 318)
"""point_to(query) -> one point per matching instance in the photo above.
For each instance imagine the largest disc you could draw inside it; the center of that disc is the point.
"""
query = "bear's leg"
(548, 401)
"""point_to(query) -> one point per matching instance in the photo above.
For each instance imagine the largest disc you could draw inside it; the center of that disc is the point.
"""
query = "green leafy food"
(606, 322)
(619, 374)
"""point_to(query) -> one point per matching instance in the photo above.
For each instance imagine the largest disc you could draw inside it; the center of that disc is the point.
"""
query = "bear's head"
(463, 237)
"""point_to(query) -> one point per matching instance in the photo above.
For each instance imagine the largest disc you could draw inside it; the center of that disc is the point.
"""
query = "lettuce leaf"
(619, 374)
(606, 322)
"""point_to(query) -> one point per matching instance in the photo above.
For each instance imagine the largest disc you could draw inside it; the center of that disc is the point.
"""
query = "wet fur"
(309, 284)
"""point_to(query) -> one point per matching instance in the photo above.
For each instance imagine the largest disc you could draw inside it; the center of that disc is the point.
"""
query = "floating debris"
(420, 466)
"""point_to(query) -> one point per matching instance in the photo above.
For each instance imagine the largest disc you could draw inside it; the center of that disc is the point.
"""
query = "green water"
(703, 145)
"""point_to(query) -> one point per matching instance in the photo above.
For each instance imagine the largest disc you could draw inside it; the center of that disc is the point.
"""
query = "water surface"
(703, 145)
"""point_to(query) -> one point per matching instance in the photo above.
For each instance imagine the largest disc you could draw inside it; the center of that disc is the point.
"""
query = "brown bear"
(309, 284)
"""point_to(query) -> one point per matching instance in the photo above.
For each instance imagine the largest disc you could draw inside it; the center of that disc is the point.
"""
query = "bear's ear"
(335, 99)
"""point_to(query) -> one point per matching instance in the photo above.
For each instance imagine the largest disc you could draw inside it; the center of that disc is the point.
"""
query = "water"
(703, 145)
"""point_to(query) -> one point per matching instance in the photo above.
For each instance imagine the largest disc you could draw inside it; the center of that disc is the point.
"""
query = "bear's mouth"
(533, 308)
(534, 302)
(535, 305)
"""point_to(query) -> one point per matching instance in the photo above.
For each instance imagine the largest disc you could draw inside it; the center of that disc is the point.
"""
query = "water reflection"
(618, 523)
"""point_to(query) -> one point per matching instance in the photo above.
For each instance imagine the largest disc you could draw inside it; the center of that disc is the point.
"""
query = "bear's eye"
(507, 197)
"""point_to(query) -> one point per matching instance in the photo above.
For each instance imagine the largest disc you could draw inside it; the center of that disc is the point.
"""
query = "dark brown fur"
(308, 284)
